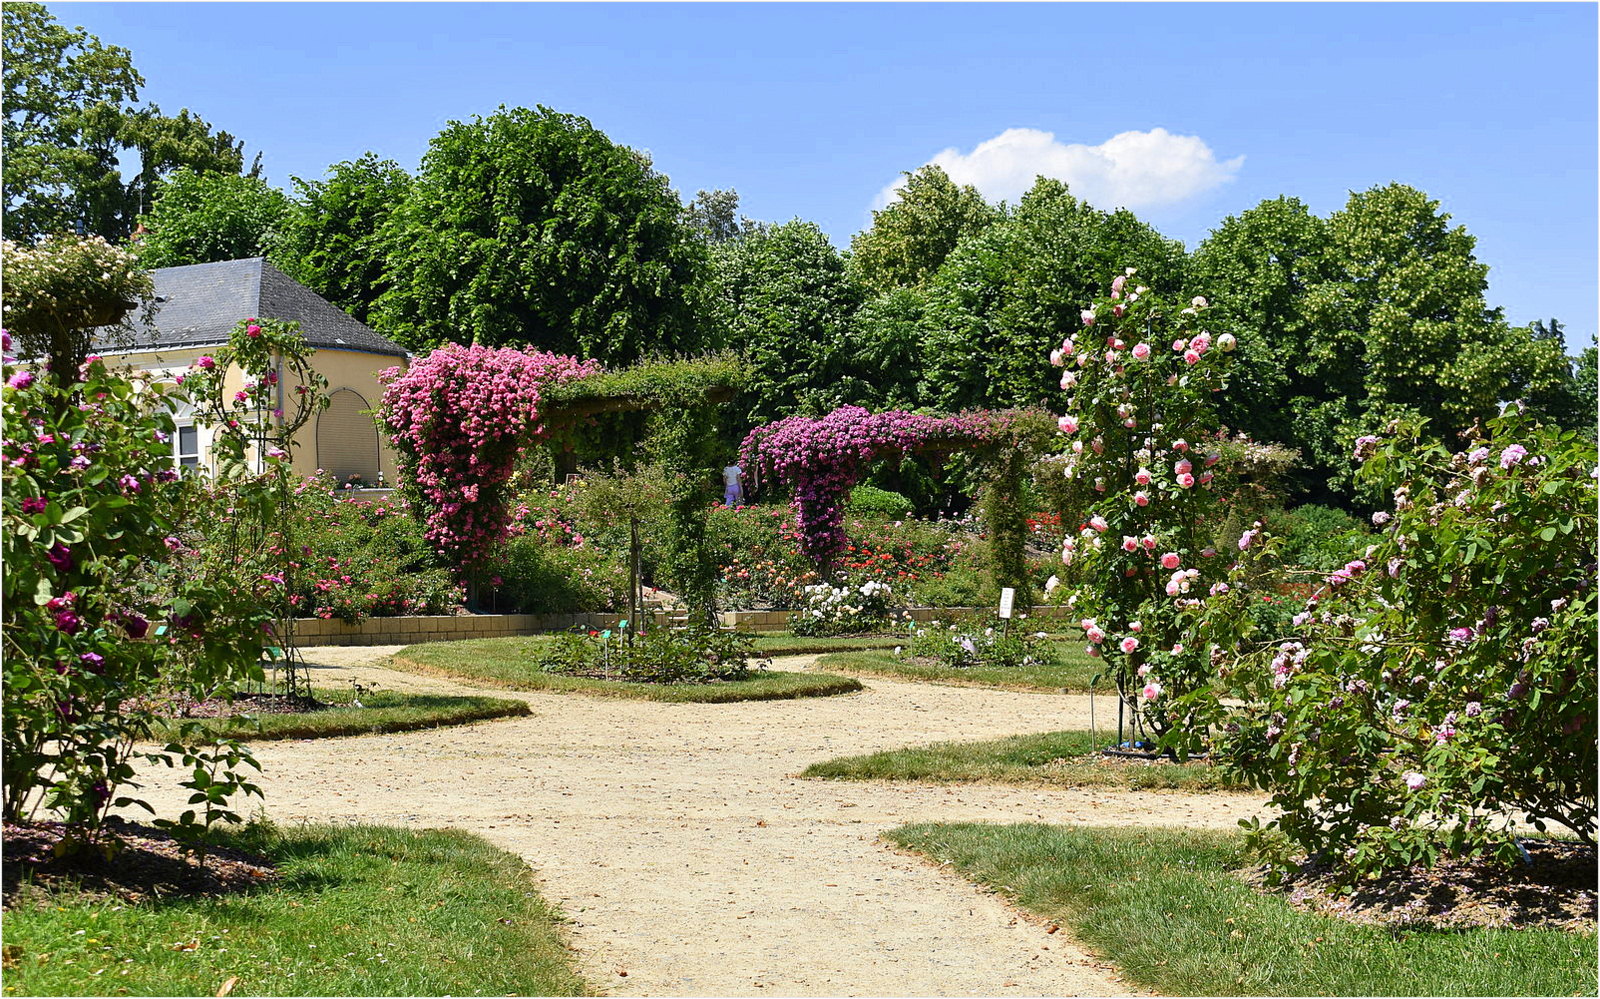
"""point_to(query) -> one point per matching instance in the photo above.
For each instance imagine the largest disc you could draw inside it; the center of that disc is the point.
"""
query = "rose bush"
(1142, 445)
(843, 610)
(1447, 677)
(982, 641)
(106, 608)
(358, 558)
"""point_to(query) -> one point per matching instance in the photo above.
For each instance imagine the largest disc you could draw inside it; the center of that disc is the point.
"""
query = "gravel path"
(692, 862)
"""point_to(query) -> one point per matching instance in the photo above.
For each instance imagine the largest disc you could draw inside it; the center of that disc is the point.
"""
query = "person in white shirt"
(733, 486)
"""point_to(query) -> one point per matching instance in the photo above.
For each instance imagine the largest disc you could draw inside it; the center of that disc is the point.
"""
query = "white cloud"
(1131, 170)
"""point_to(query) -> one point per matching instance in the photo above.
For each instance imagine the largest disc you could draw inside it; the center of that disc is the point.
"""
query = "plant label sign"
(1008, 598)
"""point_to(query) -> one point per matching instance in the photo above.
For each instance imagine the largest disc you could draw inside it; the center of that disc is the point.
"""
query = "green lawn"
(513, 663)
(785, 644)
(381, 711)
(1048, 759)
(358, 911)
(1163, 905)
(1072, 673)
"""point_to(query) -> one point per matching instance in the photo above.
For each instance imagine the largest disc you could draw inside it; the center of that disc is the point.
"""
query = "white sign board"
(1008, 597)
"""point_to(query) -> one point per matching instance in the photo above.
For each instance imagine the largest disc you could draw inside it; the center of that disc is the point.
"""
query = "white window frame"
(198, 454)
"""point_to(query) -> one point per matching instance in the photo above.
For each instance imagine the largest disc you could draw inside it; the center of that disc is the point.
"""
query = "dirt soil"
(1553, 889)
(146, 863)
(687, 855)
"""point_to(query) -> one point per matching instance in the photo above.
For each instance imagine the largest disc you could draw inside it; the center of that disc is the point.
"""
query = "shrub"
(694, 655)
(105, 607)
(871, 501)
(65, 291)
(363, 558)
(530, 574)
(1317, 537)
(982, 641)
(843, 610)
(1448, 676)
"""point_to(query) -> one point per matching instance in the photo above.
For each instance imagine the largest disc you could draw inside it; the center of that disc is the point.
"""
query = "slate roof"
(200, 304)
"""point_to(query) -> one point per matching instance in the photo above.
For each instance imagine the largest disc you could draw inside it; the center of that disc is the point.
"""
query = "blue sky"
(812, 110)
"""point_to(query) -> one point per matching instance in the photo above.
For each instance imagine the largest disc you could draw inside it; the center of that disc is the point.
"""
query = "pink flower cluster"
(458, 418)
(821, 459)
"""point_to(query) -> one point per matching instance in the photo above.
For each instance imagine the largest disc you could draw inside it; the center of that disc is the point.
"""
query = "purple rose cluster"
(821, 459)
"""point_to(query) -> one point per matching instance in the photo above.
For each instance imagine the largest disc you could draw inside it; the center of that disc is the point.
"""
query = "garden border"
(449, 628)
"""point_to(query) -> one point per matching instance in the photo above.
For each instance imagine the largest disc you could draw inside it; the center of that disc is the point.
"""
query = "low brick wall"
(414, 630)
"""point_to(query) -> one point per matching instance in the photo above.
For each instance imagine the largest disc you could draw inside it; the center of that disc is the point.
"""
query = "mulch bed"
(146, 864)
(1555, 891)
(241, 704)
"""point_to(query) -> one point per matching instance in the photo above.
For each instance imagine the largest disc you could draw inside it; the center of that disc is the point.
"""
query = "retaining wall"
(413, 630)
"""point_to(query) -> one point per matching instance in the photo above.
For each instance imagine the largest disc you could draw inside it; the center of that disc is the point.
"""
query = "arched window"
(347, 438)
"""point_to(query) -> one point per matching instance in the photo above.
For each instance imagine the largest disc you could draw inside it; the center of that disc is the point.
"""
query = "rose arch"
(460, 417)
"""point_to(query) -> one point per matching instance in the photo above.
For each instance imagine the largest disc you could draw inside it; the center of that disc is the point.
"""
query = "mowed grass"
(1072, 672)
(1046, 759)
(380, 711)
(514, 663)
(358, 911)
(1165, 907)
(785, 644)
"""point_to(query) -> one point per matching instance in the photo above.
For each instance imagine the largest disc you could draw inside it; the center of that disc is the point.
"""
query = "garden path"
(688, 857)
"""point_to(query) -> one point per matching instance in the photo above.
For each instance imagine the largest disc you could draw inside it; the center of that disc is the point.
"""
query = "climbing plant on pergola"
(460, 418)
(822, 459)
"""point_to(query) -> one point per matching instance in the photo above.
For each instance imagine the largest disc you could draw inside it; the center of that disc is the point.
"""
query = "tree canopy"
(1011, 292)
(532, 227)
(203, 217)
(911, 237)
(1347, 323)
(329, 238)
(781, 294)
(71, 117)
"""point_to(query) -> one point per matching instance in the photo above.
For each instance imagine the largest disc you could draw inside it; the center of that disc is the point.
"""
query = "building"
(198, 306)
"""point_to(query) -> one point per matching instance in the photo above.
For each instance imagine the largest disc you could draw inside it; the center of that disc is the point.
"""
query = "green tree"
(911, 238)
(1256, 269)
(70, 119)
(715, 215)
(1347, 323)
(1402, 325)
(878, 362)
(204, 217)
(1586, 385)
(786, 304)
(1009, 294)
(328, 240)
(533, 227)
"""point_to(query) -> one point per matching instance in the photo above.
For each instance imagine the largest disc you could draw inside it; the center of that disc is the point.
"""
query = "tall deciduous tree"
(328, 240)
(911, 238)
(204, 217)
(786, 304)
(533, 227)
(1347, 323)
(71, 119)
(1011, 292)
(1256, 270)
(715, 215)
(879, 360)
(1405, 318)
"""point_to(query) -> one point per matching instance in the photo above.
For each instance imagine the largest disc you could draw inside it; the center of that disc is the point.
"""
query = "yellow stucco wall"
(354, 370)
